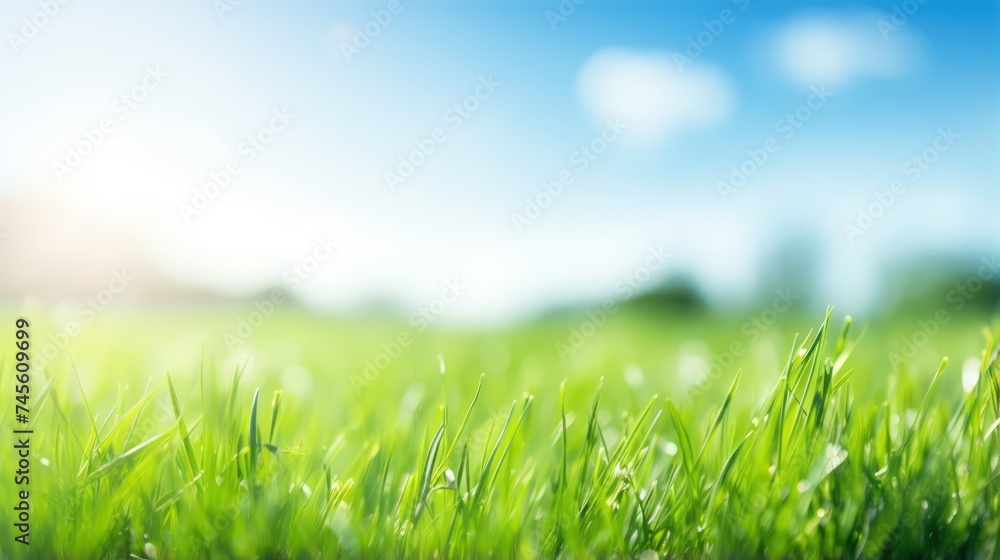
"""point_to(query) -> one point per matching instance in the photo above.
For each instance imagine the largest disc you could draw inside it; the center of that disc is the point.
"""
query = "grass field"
(634, 437)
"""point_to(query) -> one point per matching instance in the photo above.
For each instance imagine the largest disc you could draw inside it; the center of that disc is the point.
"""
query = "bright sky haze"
(535, 151)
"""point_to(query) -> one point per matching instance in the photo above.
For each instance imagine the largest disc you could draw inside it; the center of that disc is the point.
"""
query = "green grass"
(808, 445)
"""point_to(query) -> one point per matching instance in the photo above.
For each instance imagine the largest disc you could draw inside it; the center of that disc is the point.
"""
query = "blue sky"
(655, 185)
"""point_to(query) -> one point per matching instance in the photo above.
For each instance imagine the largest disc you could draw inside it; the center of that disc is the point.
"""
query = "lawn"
(641, 435)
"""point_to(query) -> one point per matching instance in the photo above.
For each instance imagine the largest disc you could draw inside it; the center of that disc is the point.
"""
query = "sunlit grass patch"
(213, 463)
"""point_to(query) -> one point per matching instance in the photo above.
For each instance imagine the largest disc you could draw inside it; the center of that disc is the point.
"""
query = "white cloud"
(834, 50)
(654, 97)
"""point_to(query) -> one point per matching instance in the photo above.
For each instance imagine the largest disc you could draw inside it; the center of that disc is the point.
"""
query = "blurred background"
(374, 209)
(489, 164)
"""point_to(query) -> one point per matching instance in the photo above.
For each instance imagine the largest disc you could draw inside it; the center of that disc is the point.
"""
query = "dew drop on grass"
(150, 550)
(962, 471)
(835, 456)
(970, 374)
(668, 447)
(603, 417)
(633, 376)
